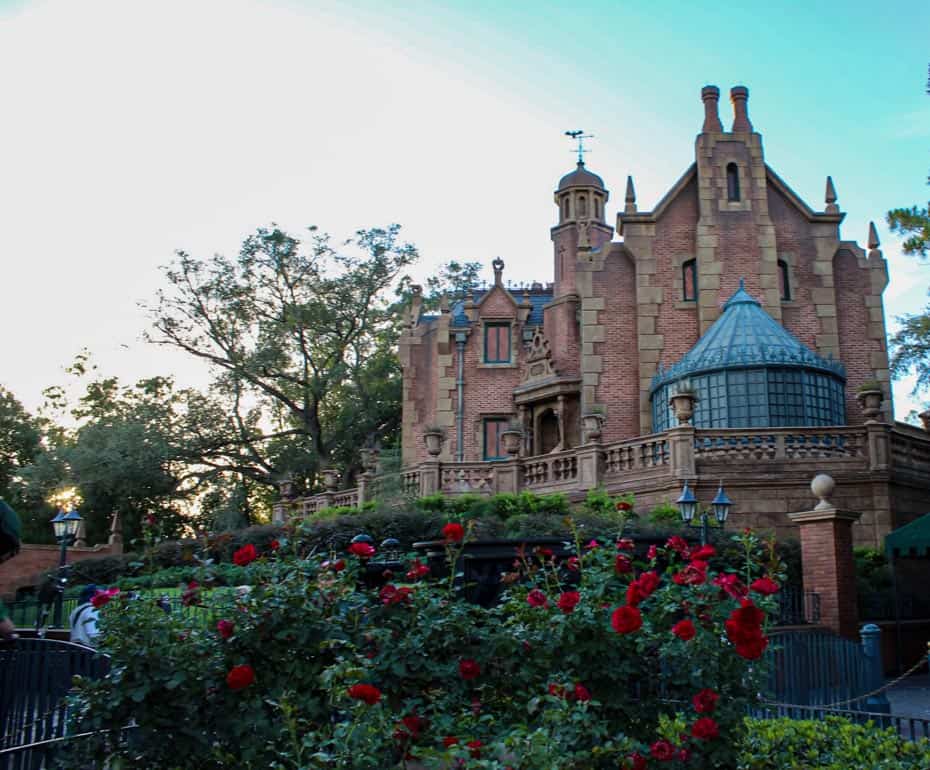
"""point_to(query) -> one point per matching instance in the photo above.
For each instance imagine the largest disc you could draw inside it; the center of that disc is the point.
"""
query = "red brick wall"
(25, 568)
(619, 382)
(560, 325)
(675, 241)
(852, 284)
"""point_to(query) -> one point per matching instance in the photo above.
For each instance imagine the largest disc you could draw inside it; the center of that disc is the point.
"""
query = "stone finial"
(416, 306)
(710, 95)
(739, 95)
(498, 265)
(630, 207)
(444, 303)
(822, 486)
(830, 198)
(873, 243)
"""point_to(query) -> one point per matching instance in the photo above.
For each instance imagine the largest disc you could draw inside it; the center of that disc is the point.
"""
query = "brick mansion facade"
(730, 333)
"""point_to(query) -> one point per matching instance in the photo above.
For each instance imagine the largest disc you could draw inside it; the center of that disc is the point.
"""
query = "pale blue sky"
(133, 128)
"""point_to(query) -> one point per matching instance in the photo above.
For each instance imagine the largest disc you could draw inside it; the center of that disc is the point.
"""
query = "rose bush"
(580, 666)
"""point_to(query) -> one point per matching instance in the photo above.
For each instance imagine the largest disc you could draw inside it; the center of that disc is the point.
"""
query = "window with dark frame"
(493, 448)
(497, 343)
(784, 284)
(732, 182)
(689, 280)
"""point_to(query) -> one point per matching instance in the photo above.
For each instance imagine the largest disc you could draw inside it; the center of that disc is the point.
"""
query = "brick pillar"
(827, 559)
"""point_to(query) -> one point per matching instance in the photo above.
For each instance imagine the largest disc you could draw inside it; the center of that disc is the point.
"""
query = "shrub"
(580, 666)
(832, 744)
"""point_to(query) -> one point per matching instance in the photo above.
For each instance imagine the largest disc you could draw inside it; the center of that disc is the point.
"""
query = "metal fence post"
(871, 636)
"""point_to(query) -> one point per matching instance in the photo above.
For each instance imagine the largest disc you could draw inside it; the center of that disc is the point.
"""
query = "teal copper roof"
(745, 336)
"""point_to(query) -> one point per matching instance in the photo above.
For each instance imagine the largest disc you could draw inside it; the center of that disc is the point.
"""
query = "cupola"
(581, 196)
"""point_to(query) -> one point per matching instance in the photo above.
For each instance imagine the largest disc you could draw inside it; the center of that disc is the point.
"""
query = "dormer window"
(497, 343)
(784, 283)
(732, 182)
(689, 280)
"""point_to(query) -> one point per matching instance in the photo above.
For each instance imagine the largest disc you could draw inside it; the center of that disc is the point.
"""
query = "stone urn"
(925, 419)
(592, 423)
(434, 440)
(511, 440)
(330, 479)
(683, 405)
(870, 399)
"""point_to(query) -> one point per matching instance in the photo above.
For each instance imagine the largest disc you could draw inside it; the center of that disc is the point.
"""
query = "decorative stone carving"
(592, 426)
(870, 399)
(434, 440)
(683, 404)
(511, 439)
(538, 358)
(822, 486)
(330, 479)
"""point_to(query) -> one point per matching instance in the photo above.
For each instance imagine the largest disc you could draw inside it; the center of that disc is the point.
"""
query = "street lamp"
(688, 505)
(65, 526)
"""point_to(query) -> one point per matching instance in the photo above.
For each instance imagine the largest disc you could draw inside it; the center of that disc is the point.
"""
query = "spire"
(830, 198)
(630, 207)
(874, 243)
(739, 95)
(710, 95)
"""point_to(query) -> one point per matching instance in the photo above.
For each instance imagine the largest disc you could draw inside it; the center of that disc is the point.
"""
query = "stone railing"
(736, 445)
(660, 460)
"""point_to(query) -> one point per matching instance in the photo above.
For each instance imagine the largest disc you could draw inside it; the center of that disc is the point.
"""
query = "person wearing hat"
(9, 547)
(84, 618)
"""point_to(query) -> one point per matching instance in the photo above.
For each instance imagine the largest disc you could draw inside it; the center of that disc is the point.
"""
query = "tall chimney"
(711, 96)
(739, 95)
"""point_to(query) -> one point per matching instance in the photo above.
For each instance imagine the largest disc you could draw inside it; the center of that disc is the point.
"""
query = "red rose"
(469, 669)
(245, 555)
(274, 545)
(544, 553)
(557, 690)
(103, 597)
(474, 748)
(417, 571)
(414, 725)
(453, 532)
(705, 728)
(622, 564)
(683, 755)
(679, 545)
(391, 595)
(636, 761)
(625, 544)
(752, 649)
(536, 598)
(662, 750)
(652, 552)
(572, 564)
(732, 585)
(449, 740)
(362, 550)
(765, 586)
(568, 601)
(335, 566)
(622, 505)
(692, 575)
(642, 588)
(365, 692)
(592, 544)
(582, 693)
(626, 620)
(240, 677)
(684, 630)
(703, 553)
(705, 701)
(225, 628)
(744, 630)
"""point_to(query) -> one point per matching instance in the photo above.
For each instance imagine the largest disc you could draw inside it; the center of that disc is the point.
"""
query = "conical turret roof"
(745, 336)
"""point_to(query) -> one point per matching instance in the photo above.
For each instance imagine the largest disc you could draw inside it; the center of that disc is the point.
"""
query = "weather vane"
(579, 136)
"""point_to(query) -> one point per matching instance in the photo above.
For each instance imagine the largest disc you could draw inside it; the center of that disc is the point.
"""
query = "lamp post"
(65, 526)
(688, 506)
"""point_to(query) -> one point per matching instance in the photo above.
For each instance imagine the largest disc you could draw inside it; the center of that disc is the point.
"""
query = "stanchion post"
(872, 649)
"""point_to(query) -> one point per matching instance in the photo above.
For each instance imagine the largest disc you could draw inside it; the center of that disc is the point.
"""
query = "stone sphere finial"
(822, 486)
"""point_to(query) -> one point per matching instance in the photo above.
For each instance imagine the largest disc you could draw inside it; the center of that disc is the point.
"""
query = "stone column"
(429, 478)
(827, 558)
(681, 451)
(364, 487)
(507, 476)
(590, 466)
(879, 445)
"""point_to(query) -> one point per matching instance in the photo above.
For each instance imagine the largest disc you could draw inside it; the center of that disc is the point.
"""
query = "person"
(84, 619)
(9, 547)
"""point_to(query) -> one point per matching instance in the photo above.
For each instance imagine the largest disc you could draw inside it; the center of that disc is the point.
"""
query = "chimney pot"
(710, 95)
(739, 95)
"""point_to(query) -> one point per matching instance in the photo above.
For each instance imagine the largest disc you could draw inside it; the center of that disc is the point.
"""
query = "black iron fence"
(797, 607)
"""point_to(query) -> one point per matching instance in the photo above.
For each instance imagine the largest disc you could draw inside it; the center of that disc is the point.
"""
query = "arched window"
(784, 284)
(582, 207)
(565, 207)
(689, 280)
(732, 182)
(597, 208)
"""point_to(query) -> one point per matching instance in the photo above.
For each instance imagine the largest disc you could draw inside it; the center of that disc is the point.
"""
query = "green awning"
(910, 540)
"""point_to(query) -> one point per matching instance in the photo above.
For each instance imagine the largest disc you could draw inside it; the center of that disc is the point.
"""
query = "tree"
(20, 442)
(911, 343)
(301, 344)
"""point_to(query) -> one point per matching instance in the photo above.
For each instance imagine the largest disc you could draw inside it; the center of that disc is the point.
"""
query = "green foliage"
(310, 631)
(665, 514)
(832, 744)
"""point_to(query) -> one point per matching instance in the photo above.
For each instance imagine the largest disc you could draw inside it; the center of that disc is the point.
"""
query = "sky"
(130, 129)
